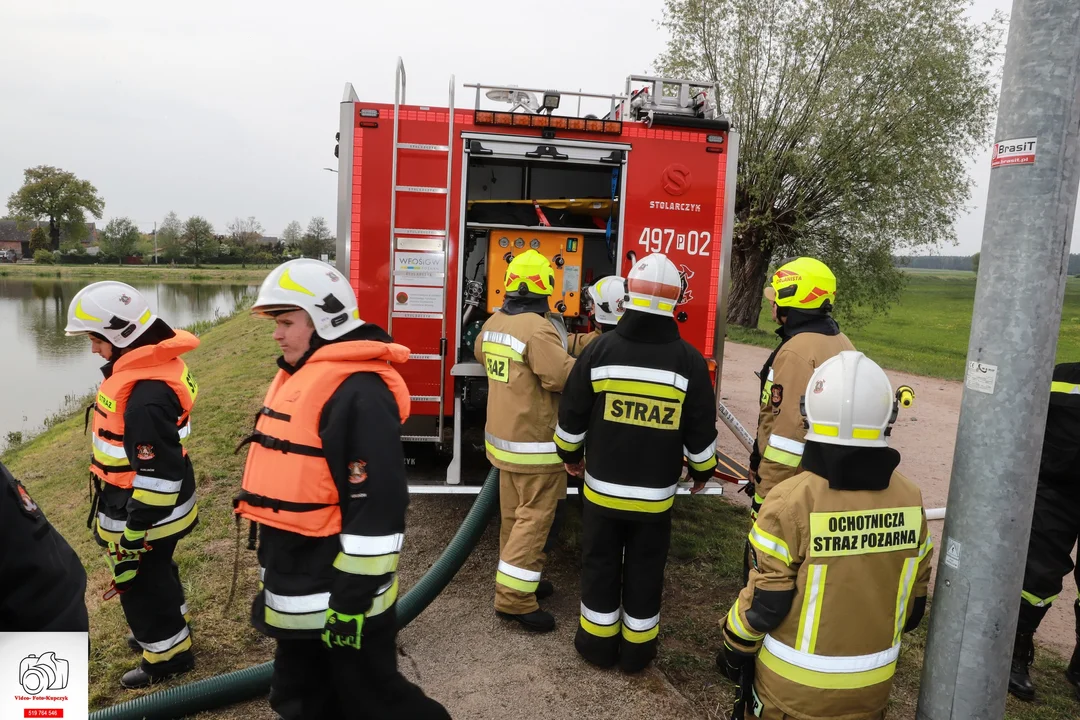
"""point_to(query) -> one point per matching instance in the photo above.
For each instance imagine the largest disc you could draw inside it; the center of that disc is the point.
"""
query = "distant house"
(268, 240)
(12, 238)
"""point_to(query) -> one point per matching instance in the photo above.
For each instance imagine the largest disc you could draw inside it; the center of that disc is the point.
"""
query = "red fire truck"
(433, 202)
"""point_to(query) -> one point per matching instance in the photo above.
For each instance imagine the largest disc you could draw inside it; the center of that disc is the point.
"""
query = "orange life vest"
(152, 362)
(287, 483)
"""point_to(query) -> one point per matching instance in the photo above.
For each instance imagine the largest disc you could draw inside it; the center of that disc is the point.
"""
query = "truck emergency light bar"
(554, 122)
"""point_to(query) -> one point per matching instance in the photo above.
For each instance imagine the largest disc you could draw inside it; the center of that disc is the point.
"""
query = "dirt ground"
(479, 666)
(924, 435)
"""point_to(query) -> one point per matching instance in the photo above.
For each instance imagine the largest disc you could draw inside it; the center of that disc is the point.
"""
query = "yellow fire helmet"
(803, 283)
(532, 271)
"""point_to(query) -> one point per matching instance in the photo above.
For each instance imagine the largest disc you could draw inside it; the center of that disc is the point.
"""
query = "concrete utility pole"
(1014, 330)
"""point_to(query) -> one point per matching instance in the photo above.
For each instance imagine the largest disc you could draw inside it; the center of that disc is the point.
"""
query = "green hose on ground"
(242, 685)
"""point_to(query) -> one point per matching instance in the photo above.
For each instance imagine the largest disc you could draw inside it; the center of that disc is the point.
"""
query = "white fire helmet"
(314, 287)
(654, 285)
(849, 401)
(608, 295)
(114, 310)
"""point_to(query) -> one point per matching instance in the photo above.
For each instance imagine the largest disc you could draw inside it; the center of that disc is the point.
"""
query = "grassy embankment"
(179, 273)
(927, 332)
(233, 366)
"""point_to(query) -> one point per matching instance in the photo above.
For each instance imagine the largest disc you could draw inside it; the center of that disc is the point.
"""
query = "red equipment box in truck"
(434, 201)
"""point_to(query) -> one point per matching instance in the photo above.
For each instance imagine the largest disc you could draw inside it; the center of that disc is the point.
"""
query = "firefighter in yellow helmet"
(527, 366)
(802, 293)
(841, 561)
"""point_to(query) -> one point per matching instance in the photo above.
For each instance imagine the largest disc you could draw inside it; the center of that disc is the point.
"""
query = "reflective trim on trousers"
(158, 652)
(600, 624)
(522, 453)
(516, 578)
(640, 630)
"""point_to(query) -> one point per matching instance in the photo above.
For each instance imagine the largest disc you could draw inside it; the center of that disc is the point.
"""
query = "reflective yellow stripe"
(809, 619)
(523, 458)
(286, 282)
(707, 465)
(636, 387)
(365, 565)
(603, 631)
(823, 680)
(152, 657)
(491, 348)
(903, 595)
(383, 602)
(865, 434)
(766, 392)
(1064, 387)
(567, 446)
(827, 430)
(1038, 601)
(770, 544)
(644, 506)
(149, 497)
(108, 460)
(515, 584)
(640, 637)
(174, 527)
(781, 456)
(736, 624)
(83, 315)
(288, 621)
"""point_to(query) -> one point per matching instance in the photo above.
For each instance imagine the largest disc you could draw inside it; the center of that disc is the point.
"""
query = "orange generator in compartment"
(563, 250)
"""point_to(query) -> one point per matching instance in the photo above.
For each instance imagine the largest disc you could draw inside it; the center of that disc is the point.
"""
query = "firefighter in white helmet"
(325, 482)
(638, 400)
(144, 483)
(802, 293)
(840, 561)
(606, 298)
(527, 365)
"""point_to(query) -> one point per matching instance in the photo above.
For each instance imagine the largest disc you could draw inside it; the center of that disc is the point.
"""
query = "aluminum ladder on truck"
(421, 240)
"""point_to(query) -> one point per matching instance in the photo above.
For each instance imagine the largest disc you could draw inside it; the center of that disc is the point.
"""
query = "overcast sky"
(224, 108)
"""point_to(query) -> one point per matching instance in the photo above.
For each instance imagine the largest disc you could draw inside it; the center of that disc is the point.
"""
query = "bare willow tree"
(857, 118)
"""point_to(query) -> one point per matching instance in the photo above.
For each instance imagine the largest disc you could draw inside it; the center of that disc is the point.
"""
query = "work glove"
(732, 662)
(342, 630)
(124, 557)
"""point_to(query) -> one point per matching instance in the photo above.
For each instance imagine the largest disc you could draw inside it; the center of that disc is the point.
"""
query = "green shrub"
(44, 257)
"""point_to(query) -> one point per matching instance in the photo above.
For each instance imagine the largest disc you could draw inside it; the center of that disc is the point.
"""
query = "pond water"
(44, 372)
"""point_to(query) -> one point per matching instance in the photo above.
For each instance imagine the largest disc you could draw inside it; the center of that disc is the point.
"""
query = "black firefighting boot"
(544, 589)
(147, 674)
(536, 621)
(1020, 684)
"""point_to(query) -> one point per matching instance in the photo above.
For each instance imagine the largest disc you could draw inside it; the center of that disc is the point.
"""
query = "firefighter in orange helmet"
(527, 366)
(144, 499)
(325, 482)
(841, 562)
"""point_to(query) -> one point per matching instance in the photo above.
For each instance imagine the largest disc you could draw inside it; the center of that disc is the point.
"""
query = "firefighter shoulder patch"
(357, 472)
(776, 398)
(29, 507)
(144, 452)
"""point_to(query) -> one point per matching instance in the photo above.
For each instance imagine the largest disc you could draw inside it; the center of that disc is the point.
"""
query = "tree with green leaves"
(975, 263)
(49, 193)
(244, 238)
(119, 238)
(856, 120)
(198, 238)
(292, 236)
(38, 240)
(168, 237)
(317, 240)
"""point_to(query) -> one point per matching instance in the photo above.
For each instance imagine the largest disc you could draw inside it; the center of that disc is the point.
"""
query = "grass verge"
(927, 331)
(703, 578)
(221, 273)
